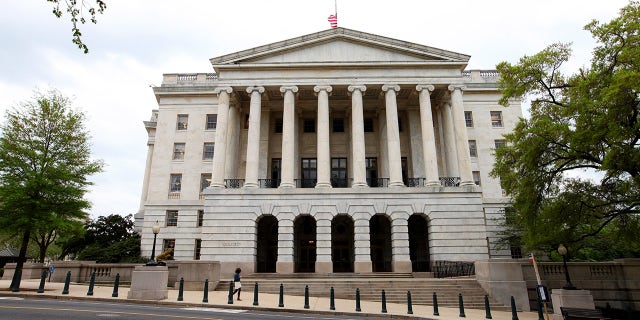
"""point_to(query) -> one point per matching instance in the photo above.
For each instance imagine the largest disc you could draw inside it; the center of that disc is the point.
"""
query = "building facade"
(338, 151)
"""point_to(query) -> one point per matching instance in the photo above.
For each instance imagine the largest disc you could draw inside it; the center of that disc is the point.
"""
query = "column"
(462, 140)
(415, 142)
(362, 244)
(449, 141)
(393, 136)
(288, 137)
(323, 153)
(219, 156)
(428, 136)
(358, 157)
(233, 139)
(253, 139)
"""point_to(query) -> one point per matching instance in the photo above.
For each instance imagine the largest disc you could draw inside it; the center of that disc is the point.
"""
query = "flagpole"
(335, 5)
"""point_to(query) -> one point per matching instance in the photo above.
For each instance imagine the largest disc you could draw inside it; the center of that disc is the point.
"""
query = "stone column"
(323, 153)
(449, 141)
(285, 246)
(288, 137)
(400, 246)
(357, 137)
(324, 263)
(462, 140)
(219, 156)
(362, 244)
(415, 142)
(428, 136)
(145, 182)
(233, 139)
(253, 139)
(393, 136)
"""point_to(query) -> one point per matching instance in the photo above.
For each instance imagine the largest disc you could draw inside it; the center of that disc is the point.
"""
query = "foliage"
(45, 161)
(108, 239)
(585, 122)
(77, 12)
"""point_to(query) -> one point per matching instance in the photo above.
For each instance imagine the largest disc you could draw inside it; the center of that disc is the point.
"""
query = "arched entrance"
(380, 234)
(418, 243)
(304, 238)
(342, 241)
(267, 246)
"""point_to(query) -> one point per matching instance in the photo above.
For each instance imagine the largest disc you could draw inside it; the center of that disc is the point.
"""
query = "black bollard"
(409, 306)
(306, 297)
(116, 284)
(332, 301)
(230, 295)
(205, 294)
(487, 308)
(43, 277)
(181, 290)
(514, 313)
(384, 302)
(255, 294)
(281, 300)
(67, 280)
(461, 304)
(435, 305)
(358, 300)
(540, 311)
(92, 283)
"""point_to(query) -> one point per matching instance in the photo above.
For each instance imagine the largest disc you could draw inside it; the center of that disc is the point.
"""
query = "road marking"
(112, 312)
(11, 298)
(215, 310)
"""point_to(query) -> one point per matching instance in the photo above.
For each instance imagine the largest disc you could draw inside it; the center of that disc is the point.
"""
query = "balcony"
(337, 183)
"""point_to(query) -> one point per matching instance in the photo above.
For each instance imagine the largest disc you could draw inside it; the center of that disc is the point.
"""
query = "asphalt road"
(47, 309)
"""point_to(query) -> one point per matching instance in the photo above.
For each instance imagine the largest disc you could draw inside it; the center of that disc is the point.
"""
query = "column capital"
(426, 87)
(388, 87)
(293, 89)
(359, 87)
(319, 88)
(260, 89)
(218, 90)
(453, 87)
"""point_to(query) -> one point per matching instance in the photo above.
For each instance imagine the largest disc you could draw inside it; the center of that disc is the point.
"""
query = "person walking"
(237, 286)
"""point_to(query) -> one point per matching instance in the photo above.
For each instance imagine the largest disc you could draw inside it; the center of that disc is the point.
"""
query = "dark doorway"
(305, 244)
(342, 251)
(267, 254)
(418, 243)
(380, 233)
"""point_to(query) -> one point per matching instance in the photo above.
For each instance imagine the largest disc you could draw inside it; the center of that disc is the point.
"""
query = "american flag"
(532, 260)
(333, 20)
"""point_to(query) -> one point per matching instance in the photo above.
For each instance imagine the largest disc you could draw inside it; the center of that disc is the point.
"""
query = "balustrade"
(268, 183)
(450, 181)
(233, 183)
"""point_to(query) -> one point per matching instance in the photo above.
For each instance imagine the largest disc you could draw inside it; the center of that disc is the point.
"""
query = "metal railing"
(268, 183)
(415, 182)
(450, 181)
(378, 182)
(233, 183)
(450, 269)
(306, 183)
(339, 183)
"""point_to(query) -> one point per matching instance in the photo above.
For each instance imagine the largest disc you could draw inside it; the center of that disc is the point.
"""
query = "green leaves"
(76, 10)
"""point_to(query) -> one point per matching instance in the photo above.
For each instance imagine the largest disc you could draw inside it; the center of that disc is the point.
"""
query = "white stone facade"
(338, 151)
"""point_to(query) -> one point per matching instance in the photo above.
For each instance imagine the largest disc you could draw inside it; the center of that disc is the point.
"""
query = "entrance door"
(267, 247)
(305, 244)
(418, 243)
(342, 241)
(380, 234)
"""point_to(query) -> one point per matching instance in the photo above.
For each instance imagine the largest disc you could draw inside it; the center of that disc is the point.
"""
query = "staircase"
(371, 285)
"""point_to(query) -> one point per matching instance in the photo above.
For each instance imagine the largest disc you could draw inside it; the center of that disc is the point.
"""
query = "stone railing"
(189, 78)
(480, 75)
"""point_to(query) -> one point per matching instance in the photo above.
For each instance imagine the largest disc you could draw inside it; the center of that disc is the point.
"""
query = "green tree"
(585, 122)
(45, 161)
(76, 9)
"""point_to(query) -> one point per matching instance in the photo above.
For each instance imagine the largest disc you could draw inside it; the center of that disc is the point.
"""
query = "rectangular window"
(473, 149)
(277, 125)
(183, 121)
(175, 182)
(172, 218)
(200, 217)
(468, 119)
(207, 151)
(496, 119)
(516, 252)
(205, 181)
(276, 165)
(169, 244)
(309, 125)
(338, 124)
(476, 177)
(499, 143)
(309, 172)
(178, 151)
(368, 125)
(196, 250)
(212, 121)
(339, 172)
(372, 171)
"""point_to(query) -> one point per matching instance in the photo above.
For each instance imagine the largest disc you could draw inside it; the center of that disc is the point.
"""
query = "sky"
(135, 42)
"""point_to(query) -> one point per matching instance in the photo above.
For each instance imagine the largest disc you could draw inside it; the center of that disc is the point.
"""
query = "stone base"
(284, 267)
(362, 267)
(149, 283)
(402, 266)
(324, 267)
(581, 299)
(195, 272)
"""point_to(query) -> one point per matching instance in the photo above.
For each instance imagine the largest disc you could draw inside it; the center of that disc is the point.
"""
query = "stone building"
(337, 151)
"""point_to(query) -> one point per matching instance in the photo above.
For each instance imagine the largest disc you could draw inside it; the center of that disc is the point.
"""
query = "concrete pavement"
(219, 299)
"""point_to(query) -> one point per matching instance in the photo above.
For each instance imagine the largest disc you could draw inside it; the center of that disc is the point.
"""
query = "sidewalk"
(218, 299)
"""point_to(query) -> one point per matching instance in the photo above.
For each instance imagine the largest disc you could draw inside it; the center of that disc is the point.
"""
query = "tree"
(77, 12)
(45, 161)
(586, 122)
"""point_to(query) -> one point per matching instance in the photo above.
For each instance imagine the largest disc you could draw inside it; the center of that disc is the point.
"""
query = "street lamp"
(156, 230)
(562, 250)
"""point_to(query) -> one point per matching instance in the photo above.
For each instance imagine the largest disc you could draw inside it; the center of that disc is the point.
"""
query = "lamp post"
(562, 250)
(156, 230)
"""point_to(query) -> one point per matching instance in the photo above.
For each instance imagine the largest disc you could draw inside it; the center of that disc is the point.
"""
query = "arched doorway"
(380, 234)
(305, 244)
(267, 246)
(418, 243)
(342, 241)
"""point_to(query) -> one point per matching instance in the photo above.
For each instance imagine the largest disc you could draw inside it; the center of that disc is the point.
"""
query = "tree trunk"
(43, 252)
(17, 275)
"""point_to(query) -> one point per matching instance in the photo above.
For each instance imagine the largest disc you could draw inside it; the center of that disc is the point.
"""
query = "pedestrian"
(237, 286)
